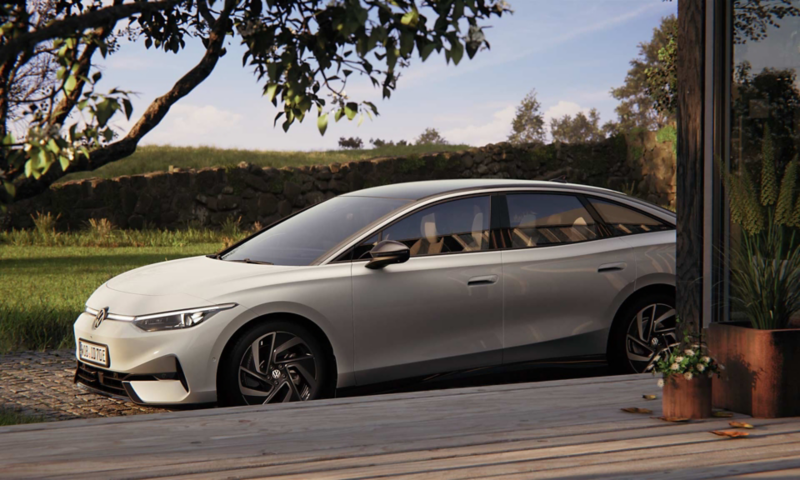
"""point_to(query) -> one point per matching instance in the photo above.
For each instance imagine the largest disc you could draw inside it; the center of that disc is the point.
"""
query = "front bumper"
(154, 368)
(159, 388)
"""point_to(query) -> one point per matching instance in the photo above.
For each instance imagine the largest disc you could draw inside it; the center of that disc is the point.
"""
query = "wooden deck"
(560, 429)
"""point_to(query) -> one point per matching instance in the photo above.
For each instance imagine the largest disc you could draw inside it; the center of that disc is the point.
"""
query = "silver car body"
(430, 314)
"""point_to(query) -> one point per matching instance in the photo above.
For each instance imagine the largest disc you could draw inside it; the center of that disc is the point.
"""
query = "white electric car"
(386, 283)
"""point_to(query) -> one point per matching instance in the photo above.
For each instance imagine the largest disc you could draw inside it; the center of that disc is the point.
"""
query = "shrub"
(352, 143)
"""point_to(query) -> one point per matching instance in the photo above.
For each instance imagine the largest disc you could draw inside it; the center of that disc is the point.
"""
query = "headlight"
(178, 319)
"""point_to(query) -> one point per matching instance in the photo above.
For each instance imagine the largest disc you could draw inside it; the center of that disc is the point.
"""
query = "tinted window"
(541, 219)
(451, 227)
(305, 237)
(626, 221)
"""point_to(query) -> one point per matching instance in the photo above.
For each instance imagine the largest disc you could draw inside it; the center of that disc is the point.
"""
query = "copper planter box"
(762, 370)
(686, 398)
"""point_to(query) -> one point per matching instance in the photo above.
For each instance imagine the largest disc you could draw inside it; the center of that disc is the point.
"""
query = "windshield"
(306, 236)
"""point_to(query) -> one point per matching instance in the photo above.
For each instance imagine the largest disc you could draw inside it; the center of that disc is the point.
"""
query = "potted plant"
(762, 352)
(686, 370)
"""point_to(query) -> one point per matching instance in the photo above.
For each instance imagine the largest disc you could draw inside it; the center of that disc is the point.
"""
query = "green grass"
(12, 417)
(44, 288)
(159, 158)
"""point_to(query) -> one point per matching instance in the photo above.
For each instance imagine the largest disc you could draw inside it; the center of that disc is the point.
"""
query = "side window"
(541, 219)
(451, 227)
(626, 221)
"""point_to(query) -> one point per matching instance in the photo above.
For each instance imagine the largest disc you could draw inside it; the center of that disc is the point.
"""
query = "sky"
(571, 51)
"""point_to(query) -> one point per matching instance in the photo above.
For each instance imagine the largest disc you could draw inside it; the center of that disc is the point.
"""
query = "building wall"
(640, 165)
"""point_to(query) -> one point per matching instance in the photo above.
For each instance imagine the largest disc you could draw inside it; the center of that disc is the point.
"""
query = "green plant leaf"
(271, 91)
(322, 123)
(350, 109)
(410, 18)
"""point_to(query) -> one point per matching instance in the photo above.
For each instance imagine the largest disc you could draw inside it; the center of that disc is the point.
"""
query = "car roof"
(429, 188)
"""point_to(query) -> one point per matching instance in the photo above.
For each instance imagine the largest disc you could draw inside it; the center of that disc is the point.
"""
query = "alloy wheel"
(650, 331)
(278, 367)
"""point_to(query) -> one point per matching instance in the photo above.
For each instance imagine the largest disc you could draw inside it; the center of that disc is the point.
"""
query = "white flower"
(689, 353)
(695, 346)
(679, 359)
(674, 366)
(687, 375)
(721, 367)
(700, 367)
(705, 359)
(660, 383)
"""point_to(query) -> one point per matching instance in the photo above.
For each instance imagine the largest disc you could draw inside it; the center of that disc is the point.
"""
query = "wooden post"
(691, 52)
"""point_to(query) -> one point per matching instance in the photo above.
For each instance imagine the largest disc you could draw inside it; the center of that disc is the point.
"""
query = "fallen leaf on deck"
(730, 433)
(636, 410)
(649, 397)
(740, 425)
(720, 414)
(673, 419)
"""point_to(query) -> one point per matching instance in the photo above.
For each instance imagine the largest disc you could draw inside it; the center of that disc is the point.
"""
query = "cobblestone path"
(40, 384)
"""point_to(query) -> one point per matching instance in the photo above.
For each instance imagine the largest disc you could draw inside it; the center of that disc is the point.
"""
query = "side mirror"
(388, 252)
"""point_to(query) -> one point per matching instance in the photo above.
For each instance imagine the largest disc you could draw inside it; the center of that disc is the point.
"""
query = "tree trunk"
(28, 187)
(690, 65)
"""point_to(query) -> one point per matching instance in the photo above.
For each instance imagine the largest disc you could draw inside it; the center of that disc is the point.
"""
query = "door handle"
(483, 280)
(611, 267)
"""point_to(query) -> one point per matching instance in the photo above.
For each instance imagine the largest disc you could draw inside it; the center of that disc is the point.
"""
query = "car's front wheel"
(642, 328)
(273, 362)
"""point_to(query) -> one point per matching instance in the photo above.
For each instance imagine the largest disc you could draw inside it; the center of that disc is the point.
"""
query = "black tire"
(622, 349)
(301, 371)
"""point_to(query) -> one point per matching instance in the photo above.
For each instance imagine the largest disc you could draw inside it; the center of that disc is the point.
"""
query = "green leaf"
(426, 51)
(128, 108)
(350, 109)
(338, 114)
(360, 119)
(105, 110)
(64, 161)
(271, 91)
(69, 86)
(322, 123)
(410, 18)
(10, 188)
(456, 52)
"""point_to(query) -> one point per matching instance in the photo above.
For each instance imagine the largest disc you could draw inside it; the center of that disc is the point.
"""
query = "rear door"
(564, 277)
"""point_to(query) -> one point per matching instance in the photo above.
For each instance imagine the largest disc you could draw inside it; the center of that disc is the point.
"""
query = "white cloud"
(185, 124)
(563, 108)
(495, 130)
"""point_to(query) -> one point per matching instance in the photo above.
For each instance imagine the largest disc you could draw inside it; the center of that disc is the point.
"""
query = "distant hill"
(159, 158)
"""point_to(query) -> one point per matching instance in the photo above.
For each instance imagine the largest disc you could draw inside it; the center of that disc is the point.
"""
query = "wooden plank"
(450, 394)
(440, 461)
(505, 430)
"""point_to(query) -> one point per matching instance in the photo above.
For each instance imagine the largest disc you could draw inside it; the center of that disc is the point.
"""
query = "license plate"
(93, 353)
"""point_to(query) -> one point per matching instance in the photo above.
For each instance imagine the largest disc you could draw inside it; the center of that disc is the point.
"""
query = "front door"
(442, 309)
(563, 279)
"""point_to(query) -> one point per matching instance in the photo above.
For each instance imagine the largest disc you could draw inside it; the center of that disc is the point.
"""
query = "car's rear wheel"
(274, 362)
(642, 328)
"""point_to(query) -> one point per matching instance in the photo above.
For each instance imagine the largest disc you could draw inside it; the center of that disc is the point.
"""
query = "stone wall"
(639, 165)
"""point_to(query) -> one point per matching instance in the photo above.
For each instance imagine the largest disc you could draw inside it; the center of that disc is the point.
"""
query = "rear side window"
(451, 227)
(541, 219)
(626, 221)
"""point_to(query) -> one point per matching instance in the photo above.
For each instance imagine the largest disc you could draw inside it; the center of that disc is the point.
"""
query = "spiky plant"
(766, 262)
(769, 183)
(766, 279)
(783, 209)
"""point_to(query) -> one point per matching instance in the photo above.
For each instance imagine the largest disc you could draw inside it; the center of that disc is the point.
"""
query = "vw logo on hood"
(101, 315)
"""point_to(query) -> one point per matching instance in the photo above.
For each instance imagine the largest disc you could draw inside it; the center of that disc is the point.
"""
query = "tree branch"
(72, 24)
(29, 187)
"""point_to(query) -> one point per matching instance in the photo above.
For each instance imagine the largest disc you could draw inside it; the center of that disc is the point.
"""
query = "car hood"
(201, 277)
